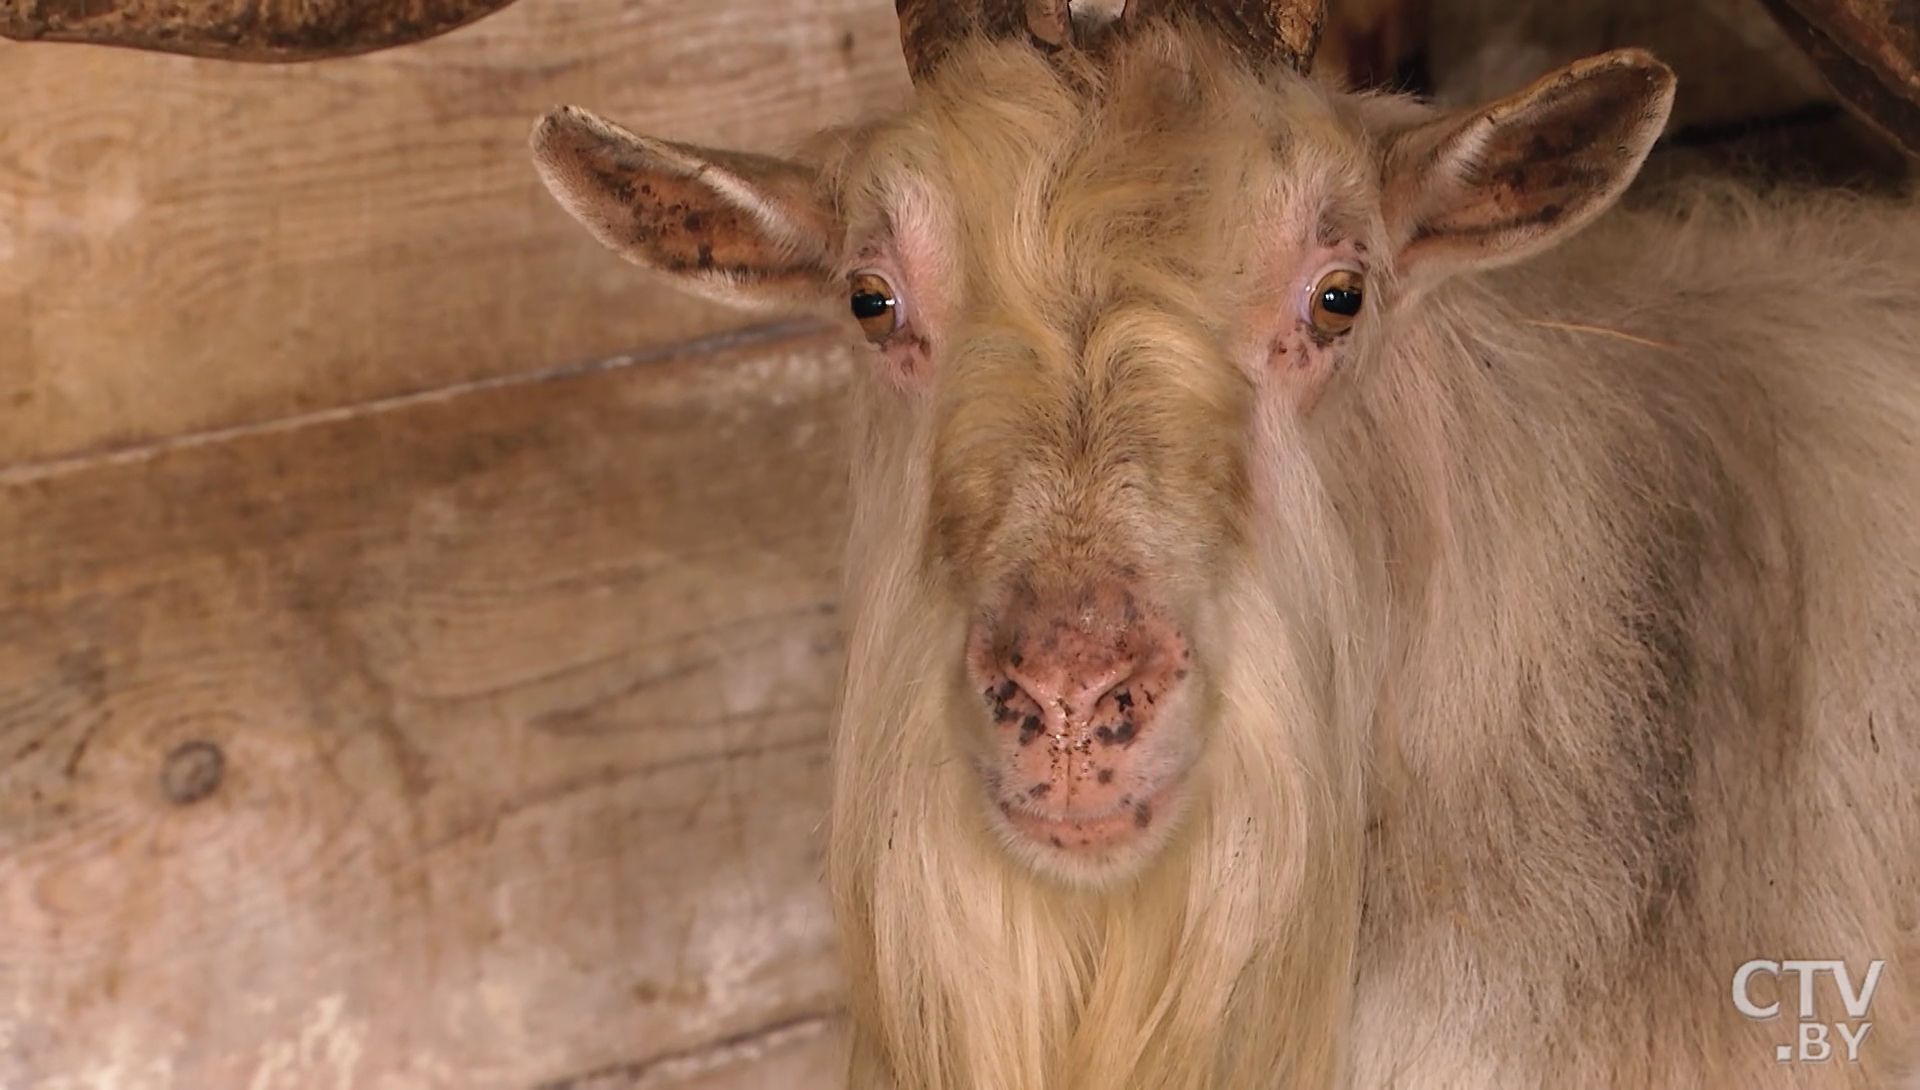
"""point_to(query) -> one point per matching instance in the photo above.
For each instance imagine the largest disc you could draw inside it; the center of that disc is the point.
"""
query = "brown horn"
(241, 30)
(1263, 30)
(929, 28)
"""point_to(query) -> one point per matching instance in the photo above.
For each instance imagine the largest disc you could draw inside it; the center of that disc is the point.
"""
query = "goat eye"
(1336, 301)
(875, 306)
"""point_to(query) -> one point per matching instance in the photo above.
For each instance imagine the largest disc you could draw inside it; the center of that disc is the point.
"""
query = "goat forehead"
(1097, 274)
(1088, 191)
(1066, 204)
(1096, 298)
(1139, 407)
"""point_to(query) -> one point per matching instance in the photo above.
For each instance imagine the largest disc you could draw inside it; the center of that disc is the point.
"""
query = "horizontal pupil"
(870, 304)
(1342, 301)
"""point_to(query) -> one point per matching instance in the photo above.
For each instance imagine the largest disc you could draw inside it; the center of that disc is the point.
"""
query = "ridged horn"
(1265, 31)
(929, 28)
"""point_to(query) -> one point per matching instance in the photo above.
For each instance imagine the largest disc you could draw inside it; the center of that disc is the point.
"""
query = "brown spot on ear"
(750, 221)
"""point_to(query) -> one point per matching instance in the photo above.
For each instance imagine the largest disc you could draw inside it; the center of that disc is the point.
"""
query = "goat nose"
(1071, 684)
(1087, 668)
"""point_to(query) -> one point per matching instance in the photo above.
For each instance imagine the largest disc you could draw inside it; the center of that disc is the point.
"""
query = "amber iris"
(1336, 301)
(874, 306)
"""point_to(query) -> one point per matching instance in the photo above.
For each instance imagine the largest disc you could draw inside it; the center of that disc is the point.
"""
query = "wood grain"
(189, 244)
(471, 742)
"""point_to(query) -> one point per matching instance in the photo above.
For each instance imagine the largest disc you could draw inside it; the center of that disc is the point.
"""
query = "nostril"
(1069, 689)
(1054, 666)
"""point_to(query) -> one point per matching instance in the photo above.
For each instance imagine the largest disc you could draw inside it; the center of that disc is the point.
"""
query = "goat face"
(1105, 295)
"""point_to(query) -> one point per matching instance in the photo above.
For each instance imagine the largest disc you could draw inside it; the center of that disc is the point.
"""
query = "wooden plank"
(189, 244)
(803, 1053)
(471, 741)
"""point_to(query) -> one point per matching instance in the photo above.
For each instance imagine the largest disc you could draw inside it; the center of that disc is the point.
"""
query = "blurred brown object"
(1869, 51)
(1375, 43)
(241, 30)
(1758, 93)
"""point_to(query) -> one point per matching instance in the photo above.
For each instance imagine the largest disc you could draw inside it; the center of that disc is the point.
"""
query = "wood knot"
(192, 772)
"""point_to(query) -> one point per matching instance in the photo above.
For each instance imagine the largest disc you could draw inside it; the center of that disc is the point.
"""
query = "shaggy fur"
(1555, 631)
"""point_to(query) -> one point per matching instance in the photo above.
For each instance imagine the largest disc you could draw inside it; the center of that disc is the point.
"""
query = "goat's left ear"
(1490, 186)
(744, 229)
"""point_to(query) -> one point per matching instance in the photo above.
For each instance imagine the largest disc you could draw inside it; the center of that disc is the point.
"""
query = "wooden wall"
(416, 629)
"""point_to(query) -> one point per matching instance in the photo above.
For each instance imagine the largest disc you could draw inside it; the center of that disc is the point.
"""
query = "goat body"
(1251, 688)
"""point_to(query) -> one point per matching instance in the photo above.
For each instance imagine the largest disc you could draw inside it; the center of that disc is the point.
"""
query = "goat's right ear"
(1493, 185)
(743, 229)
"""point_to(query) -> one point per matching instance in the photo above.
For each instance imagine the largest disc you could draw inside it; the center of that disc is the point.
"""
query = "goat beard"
(1225, 962)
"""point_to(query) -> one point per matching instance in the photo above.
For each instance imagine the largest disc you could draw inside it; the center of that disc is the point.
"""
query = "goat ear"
(744, 229)
(1490, 186)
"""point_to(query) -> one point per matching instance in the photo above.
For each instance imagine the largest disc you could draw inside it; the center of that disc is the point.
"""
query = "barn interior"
(418, 630)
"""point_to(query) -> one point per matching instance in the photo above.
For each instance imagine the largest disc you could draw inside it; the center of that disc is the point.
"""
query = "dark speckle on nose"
(1143, 815)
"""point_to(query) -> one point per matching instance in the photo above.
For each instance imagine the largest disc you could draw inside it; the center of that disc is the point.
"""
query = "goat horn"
(241, 30)
(928, 28)
(1263, 30)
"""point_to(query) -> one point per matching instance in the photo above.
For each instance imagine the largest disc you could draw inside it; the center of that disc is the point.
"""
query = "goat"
(1335, 596)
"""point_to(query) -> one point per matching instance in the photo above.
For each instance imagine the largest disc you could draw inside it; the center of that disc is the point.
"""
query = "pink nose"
(1086, 669)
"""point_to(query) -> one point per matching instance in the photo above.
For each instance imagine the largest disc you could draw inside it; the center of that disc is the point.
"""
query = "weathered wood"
(465, 741)
(241, 30)
(1869, 51)
(807, 1053)
(189, 245)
